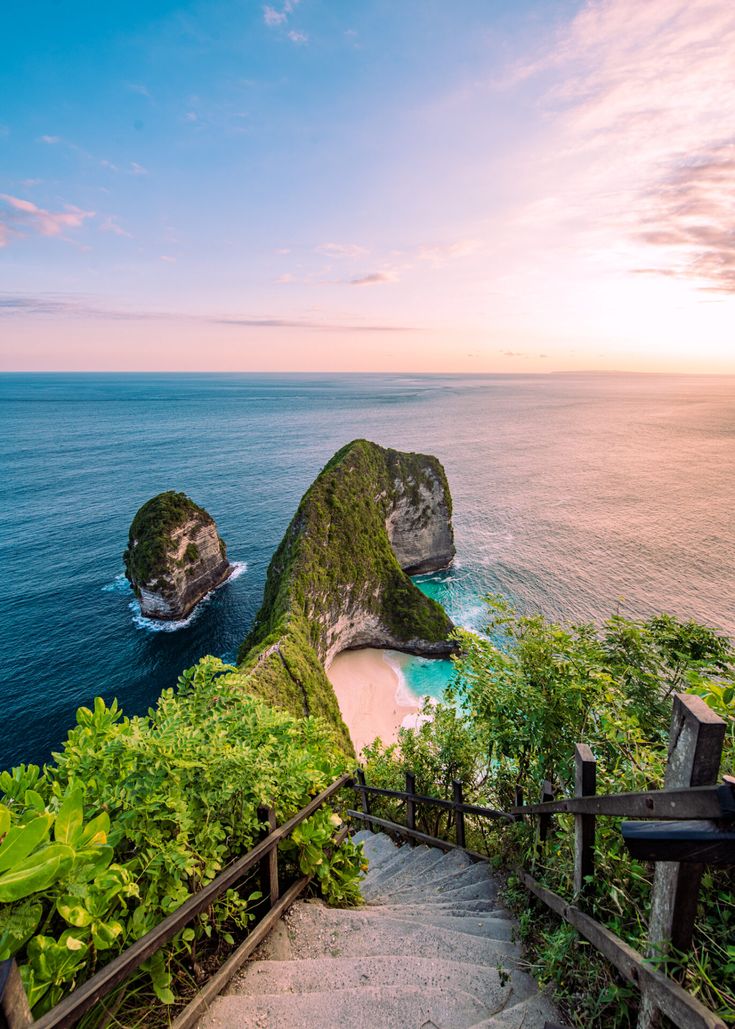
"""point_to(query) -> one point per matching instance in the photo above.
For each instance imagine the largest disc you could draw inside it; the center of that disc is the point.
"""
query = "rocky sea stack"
(174, 557)
(340, 577)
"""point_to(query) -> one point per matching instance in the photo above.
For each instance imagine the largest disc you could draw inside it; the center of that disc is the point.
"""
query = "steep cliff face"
(339, 577)
(174, 557)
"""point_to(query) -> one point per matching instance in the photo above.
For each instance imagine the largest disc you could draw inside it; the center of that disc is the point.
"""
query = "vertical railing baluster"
(14, 1010)
(410, 802)
(459, 814)
(544, 821)
(695, 748)
(585, 769)
(364, 802)
(269, 864)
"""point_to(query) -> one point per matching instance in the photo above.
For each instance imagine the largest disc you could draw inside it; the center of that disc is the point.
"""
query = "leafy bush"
(137, 814)
(521, 698)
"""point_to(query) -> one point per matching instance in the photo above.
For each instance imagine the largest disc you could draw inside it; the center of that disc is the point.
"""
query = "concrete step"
(366, 1007)
(317, 975)
(315, 930)
(483, 890)
(421, 861)
(436, 876)
(432, 949)
(377, 847)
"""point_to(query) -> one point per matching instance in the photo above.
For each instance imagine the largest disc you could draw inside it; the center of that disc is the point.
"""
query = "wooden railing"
(690, 797)
(14, 1010)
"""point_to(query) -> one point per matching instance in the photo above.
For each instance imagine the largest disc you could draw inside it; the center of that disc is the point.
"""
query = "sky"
(334, 185)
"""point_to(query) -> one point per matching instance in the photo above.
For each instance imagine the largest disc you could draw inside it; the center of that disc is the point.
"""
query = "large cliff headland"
(340, 577)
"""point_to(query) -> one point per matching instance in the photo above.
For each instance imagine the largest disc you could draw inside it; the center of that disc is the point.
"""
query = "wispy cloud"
(341, 250)
(19, 217)
(277, 17)
(74, 306)
(373, 279)
(139, 88)
(49, 140)
(111, 224)
(642, 146)
(440, 254)
(137, 169)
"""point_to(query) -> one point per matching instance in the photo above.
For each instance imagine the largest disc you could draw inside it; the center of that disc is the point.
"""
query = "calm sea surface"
(574, 495)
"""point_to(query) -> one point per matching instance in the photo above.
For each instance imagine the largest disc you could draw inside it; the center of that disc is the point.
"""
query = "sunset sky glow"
(476, 186)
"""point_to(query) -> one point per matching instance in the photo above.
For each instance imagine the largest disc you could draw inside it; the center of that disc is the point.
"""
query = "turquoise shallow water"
(570, 492)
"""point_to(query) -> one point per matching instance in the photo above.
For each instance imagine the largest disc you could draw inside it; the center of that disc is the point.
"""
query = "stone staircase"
(431, 949)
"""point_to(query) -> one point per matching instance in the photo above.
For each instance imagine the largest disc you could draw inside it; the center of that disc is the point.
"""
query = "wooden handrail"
(420, 798)
(68, 1011)
(705, 802)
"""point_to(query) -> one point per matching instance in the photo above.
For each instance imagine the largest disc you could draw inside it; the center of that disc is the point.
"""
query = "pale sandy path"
(371, 697)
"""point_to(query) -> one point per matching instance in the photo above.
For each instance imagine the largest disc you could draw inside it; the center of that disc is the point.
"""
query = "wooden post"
(14, 1010)
(518, 802)
(269, 864)
(364, 803)
(410, 802)
(695, 749)
(585, 782)
(459, 815)
(544, 821)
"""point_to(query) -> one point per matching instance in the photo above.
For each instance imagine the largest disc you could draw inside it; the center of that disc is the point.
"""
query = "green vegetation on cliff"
(149, 539)
(335, 581)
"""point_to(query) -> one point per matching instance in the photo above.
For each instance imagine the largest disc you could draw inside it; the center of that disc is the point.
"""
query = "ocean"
(575, 495)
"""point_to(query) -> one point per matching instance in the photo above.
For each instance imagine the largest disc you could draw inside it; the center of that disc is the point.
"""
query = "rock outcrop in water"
(339, 577)
(174, 557)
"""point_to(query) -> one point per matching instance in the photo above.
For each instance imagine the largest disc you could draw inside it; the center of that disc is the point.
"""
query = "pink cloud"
(639, 153)
(20, 216)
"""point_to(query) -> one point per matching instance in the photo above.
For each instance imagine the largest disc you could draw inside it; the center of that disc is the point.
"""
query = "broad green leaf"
(4, 819)
(95, 832)
(22, 839)
(73, 911)
(35, 873)
(90, 862)
(70, 817)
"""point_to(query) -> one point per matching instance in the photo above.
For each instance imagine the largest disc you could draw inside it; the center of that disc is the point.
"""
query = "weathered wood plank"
(14, 1010)
(692, 842)
(585, 770)
(695, 746)
(74, 1005)
(696, 802)
(420, 798)
(684, 1010)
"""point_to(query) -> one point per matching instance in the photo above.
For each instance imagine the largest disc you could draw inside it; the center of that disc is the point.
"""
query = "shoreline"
(372, 694)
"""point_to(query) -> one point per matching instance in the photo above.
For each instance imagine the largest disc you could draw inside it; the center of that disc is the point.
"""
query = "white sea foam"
(118, 585)
(154, 625)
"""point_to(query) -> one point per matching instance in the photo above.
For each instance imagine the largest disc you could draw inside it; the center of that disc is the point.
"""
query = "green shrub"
(521, 698)
(137, 814)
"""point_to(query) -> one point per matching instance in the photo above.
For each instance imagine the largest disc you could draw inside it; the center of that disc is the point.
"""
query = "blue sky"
(333, 184)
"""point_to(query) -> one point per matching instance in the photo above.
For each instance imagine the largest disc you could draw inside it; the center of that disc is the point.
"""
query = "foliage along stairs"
(431, 949)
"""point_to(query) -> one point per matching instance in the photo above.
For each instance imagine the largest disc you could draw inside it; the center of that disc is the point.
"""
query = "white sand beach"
(372, 697)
